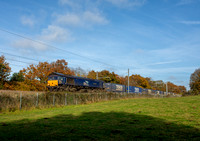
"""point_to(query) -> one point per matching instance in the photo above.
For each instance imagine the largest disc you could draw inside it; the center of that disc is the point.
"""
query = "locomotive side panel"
(88, 83)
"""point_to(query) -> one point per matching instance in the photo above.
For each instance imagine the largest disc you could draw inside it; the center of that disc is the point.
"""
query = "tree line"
(34, 77)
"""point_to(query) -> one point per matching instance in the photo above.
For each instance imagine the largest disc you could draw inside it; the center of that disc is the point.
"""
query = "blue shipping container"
(107, 86)
(133, 89)
(111, 87)
(118, 87)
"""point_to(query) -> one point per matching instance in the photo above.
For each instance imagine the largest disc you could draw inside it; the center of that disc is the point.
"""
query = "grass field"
(132, 119)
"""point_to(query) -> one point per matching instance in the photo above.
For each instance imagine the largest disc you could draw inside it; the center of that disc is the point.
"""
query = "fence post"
(53, 99)
(37, 100)
(66, 99)
(20, 106)
(76, 100)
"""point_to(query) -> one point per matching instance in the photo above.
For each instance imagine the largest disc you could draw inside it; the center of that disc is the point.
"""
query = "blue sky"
(158, 38)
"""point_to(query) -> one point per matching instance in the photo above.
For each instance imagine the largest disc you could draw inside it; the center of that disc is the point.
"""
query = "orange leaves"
(176, 89)
(105, 76)
(4, 70)
(122, 80)
(138, 81)
(35, 75)
(43, 69)
(8, 86)
(60, 66)
(195, 81)
(92, 74)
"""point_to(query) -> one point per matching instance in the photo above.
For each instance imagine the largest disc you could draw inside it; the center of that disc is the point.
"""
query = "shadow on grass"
(97, 126)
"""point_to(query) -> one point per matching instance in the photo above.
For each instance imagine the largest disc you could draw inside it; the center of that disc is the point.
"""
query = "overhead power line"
(19, 61)
(43, 43)
(16, 65)
(19, 56)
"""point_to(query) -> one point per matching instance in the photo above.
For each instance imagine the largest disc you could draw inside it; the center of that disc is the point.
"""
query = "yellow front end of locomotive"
(52, 83)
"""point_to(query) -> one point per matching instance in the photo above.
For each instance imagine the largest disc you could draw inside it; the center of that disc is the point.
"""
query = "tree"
(91, 74)
(30, 72)
(173, 88)
(195, 81)
(138, 81)
(43, 69)
(108, 77)
(122, 80)
(17, 77)
(80, 72)
(182, 89)
(105, 76)
(4, 71)
(60, 66)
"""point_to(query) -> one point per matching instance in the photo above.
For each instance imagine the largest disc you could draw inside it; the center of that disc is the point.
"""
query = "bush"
(8, 86)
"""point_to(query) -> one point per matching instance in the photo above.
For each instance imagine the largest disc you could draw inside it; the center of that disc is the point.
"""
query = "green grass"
(133, 119)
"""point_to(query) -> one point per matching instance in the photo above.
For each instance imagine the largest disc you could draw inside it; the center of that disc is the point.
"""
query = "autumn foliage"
(34, 77)
(195, 82)
(43, 69)
(4, 71)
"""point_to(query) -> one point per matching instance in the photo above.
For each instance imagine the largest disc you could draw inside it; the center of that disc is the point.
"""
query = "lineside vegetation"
(34, 77)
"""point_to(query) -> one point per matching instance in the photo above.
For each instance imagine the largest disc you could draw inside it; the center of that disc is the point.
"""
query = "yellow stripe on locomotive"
(52, 83)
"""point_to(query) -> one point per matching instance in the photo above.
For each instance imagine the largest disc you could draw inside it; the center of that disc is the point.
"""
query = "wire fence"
(18, 101)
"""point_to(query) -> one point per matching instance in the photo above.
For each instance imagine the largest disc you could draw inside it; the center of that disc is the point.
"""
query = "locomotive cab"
(55, 81)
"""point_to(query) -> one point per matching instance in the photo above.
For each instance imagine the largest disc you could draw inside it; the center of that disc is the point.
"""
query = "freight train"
(60, 82)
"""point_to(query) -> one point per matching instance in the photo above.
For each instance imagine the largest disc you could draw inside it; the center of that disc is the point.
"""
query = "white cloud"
(91, 17)
(190, 22)
(68, 2)
(127, 3)
(68, 19)
(55, 34)
(80, 19)
(82, 13)
(164, 62)
(50, 34)
(65, 2)
(78, 4)
(71, 3)
(185, 2)
(165, 70)
(172, 77)
(28, 21)
(29, 45)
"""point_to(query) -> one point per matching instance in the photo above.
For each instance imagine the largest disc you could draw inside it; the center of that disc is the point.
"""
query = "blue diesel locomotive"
(59, 82)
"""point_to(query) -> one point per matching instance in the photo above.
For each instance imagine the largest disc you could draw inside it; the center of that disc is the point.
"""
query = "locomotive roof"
(71, 76)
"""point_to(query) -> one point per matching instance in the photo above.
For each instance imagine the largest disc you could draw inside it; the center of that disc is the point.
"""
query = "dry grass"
(10, 100)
